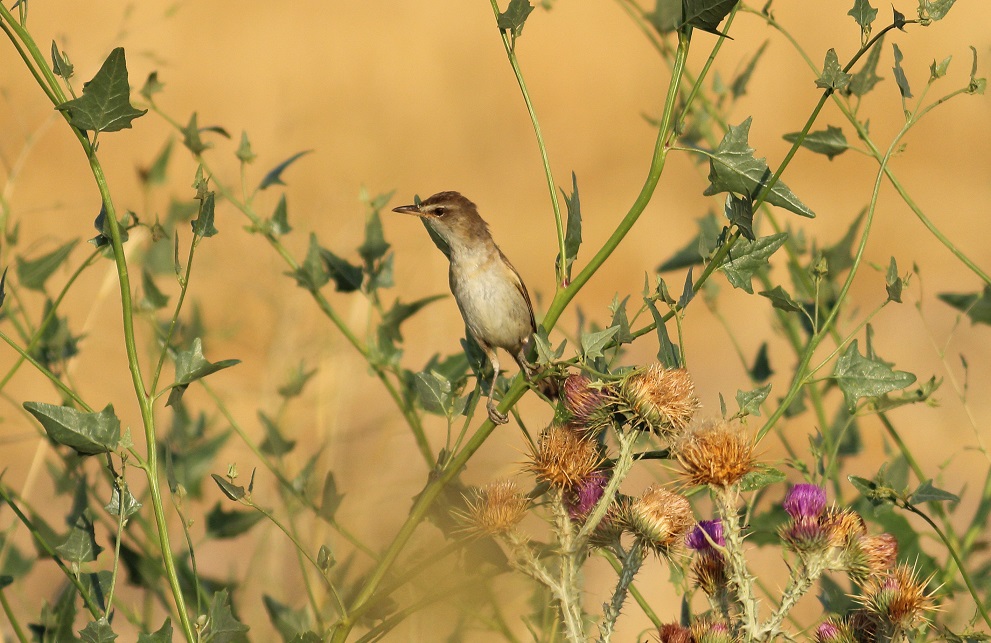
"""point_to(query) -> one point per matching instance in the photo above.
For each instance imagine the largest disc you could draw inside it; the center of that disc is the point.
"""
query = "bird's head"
(452, 217)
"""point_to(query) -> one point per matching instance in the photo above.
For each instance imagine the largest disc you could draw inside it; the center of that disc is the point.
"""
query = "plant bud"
(581, 498)
(898, 598)
(659, 519)
(587, 404)
(715, 454)
(658, 399)
(805, 501)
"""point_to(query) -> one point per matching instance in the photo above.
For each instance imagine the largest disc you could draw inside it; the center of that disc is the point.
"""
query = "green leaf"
(274, 176)
(926, 492)
(781, 300)
(833, 77)
(60, 63)
(750, 401)
(394, 317)
(434, 393)
(154, 298)
(865, 79)
(667, 16)
(230, 524)
(190, 365)
(893, 283)
(33, 273)
(105, 105)
(977, 306)
(152, 86)
(761, 370)
(297, 380)
(231, 490)
(86, 433)
(620, 320)
(546, 354)
(740, 212)
(80, 545)
(244, 153)
(288, 623)
(191, 137)
(347, 276)
(860, 376)
(700, 246)
(934, 9)
(3, 283)
(203, 224)
(864, 14)
(274, 443)
(594, 343)
(762, 476)
(900, 77)
(374, 246)
(279, 223)
(829, 141)
(733, 168)
(515, 15)
(739, 85)
(162, 635)
(667, 353)
(129, 506)
(938, 70)
(156, 174)
(313, 273)
(221, 626)
(707, 14)
(748, 257)
(331, 499)
(102, 224)
(97, 632)
(572, 231)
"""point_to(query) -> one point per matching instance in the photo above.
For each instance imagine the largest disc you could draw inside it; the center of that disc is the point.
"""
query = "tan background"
(419, 98)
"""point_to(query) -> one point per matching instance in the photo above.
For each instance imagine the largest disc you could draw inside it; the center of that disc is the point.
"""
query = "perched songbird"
(492, 298)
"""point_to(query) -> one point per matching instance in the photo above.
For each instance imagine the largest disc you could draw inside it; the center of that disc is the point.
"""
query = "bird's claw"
(494, 414)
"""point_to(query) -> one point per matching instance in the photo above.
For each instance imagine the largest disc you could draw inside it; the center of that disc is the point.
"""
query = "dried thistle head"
(659, 519)
(871, 557)
(674, 633)
(564, 457)
(587, 403)
(898, 598)
(715, 454)
(658, 399)
(495, 508)
(845, 526)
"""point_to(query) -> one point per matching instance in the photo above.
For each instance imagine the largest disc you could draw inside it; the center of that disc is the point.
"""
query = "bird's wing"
(522, 288)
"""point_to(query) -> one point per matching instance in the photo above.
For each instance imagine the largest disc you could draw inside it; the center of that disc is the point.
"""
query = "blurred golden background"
(419, 98)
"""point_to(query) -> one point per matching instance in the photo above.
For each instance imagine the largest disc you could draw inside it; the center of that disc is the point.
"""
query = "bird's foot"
(494, 414)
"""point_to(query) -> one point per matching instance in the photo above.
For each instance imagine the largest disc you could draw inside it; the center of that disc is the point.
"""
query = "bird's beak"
(408, 209)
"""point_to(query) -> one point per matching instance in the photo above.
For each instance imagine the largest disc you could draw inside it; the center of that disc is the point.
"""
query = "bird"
(489, 292)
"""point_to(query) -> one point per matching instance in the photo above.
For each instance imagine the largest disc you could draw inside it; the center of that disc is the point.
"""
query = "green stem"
(631, 565)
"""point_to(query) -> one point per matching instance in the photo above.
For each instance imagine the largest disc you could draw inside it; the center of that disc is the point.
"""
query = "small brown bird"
(493, 300)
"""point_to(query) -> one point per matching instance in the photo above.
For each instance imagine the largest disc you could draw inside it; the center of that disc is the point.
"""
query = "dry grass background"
(418, 97)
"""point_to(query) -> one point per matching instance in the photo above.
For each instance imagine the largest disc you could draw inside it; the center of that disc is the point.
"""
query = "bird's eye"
(440, 211)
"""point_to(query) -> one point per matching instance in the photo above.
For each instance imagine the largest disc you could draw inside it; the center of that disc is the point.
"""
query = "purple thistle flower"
(696, 539)
(583, 497)
(827, 632)
(805, 501)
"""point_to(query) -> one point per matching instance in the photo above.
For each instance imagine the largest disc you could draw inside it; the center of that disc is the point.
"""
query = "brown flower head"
(674, 633)
(659, 519)
(845, 526)
(715, 454)
(658, 399)
(898, 598)
(495, 508)
(564, 457)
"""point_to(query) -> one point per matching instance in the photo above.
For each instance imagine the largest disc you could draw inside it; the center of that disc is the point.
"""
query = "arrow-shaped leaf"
(860, 376)
(87, 433)
(105, 105)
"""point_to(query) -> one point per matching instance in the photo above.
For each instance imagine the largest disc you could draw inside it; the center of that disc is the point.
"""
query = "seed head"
(716, 454)
(564, 457)
(659, 519)
(495, 508)
(658, 399)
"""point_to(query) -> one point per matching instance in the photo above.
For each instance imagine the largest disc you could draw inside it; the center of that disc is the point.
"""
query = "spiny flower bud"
(658, 399)
(805, 501)
(845, 526)
(898, 598)
(834, 632)
(495, 509)
(582, 497)
(704, 532)
(659, 519)
(871, 556)
(716, 454)
(564, 457)
(706, 631)
(588, 404)
(709, 566)
(674, 633)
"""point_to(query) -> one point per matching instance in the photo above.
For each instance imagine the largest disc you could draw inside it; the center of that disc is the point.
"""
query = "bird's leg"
(528, 368)
(494, 414)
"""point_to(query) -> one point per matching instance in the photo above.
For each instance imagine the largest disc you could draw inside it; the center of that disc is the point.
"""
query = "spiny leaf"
(105, 105)
(833, 77)
(829, 141)
(514, 17)
(274, 443)
(900, 77)
(231, 490)
(667, 353)
(330, 499)
(152, 86)
(733, 168)
(573, 229)
(434, 393)
(893, 283)
(860, 376)
(86, 433)
(297, 380)
(80, 545)
(762, 476)
(927, 492)
(128, 505)
(274, 177)
(191, 137)
(97, 632)
(33, 274)
(203, 224)
(222, 627)
(162, 635)
(347, 276)
(748, 257)
(934, 9)
(313, 273)
(938, 70)
(707, 14)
